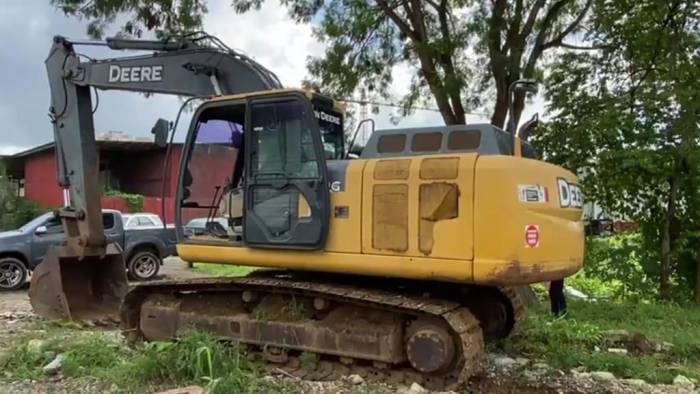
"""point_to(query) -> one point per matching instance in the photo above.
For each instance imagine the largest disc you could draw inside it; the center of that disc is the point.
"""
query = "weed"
(280, 308)
(294, 310)
(579, 340)
(196, 358)
(308, 361)
(223, 269)
(86, 353)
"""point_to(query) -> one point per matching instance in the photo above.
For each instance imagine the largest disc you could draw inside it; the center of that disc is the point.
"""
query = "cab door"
(287, 201)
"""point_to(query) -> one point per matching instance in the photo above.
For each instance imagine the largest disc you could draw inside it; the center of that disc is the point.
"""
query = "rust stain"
(518, 273)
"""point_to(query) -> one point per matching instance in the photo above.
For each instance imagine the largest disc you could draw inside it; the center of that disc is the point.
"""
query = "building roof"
(109, 142)
(130, 145)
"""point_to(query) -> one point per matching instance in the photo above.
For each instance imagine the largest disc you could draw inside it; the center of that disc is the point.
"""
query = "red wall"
(116, 203)
(41, 180)
(140, 173)
(210, 166)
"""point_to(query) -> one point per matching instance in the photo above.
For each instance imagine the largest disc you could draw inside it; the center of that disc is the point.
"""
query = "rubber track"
(518, 305)
(458, 317)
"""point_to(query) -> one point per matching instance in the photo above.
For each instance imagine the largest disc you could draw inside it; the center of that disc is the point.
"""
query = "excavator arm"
(85, 277)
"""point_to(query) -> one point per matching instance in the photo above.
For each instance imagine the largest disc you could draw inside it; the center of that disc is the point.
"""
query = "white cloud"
(6, 150)
(268, 35)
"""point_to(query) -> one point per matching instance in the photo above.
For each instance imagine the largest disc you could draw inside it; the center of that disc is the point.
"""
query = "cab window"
(392, 143)
(54, 226)
(463, 140)
(426, 142)
(144, 221)
(107, 221)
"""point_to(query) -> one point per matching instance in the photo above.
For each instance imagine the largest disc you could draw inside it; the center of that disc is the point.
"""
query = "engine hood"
(11, 235)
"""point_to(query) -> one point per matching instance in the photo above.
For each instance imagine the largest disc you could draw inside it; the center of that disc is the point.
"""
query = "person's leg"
(553, 303)
(556, 297)
(562, 304)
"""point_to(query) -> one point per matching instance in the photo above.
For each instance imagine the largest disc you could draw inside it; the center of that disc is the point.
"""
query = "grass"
(579, 340)
(223, 269)
(196, 358)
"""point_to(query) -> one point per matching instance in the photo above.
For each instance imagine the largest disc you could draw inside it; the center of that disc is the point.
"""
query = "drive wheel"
(143, 265)
(13, 273)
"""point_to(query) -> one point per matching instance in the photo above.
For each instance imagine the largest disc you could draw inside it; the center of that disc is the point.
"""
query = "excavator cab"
(257, 164)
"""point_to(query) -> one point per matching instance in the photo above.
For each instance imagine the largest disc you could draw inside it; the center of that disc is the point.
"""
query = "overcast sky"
(27, 26)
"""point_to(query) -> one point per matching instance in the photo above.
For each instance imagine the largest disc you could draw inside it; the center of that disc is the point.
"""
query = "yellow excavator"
(397, 260)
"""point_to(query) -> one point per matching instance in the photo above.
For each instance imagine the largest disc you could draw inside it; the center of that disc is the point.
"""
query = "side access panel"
(345, 185)
(419, 206)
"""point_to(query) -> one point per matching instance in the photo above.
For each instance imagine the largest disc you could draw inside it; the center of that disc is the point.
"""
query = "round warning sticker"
(532, 236)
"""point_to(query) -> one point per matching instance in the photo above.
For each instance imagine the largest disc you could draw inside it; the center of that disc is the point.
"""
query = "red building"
(128, 166)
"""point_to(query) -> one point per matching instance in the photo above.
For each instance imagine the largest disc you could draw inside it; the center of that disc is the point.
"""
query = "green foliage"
(195, 359)
(90, 351)
(579, 340)
(309, 361)
(626, 120)
(624, 264)
(460, 53)
(86, 353)
(133, 201)
(624, 267)
(21, 211)
(14, 211)
(223, 269)
(163, 16)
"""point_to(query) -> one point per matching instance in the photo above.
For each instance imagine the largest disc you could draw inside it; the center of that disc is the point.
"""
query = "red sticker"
(532, 236)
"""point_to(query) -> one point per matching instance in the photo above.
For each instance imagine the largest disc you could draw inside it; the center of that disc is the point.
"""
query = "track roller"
(430, 348)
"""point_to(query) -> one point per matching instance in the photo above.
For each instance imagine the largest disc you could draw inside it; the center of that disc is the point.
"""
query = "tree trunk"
(664, 290)
(697, 277)
(500, 111)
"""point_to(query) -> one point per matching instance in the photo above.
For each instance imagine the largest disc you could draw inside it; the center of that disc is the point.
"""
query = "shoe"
(562, 315)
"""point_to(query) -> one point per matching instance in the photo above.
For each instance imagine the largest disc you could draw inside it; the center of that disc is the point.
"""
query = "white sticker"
(533, 193)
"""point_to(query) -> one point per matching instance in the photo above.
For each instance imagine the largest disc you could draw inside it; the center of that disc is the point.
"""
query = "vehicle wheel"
(143, 265)
(13, 273)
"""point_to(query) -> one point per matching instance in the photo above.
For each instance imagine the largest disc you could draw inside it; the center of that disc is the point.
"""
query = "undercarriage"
(396, 330)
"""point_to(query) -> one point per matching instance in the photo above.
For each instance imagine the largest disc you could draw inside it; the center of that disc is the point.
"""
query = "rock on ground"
(55, 365)
(684, 382)
(184, 390)
(414, 389)
(356, 379)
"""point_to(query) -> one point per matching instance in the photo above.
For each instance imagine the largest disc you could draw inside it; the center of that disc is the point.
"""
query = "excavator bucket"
(69, 287)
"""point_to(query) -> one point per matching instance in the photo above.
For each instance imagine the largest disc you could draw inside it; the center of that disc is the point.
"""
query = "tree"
(626, 119)
(7, 195)
(463, 53)
(142, 15)
(14, 210)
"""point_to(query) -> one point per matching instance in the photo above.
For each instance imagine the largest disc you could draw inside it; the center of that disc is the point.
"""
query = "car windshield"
(36, 222)
(196, 223)
(201, 223)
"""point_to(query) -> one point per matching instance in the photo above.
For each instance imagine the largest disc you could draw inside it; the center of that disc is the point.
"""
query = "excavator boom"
(85, 277)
